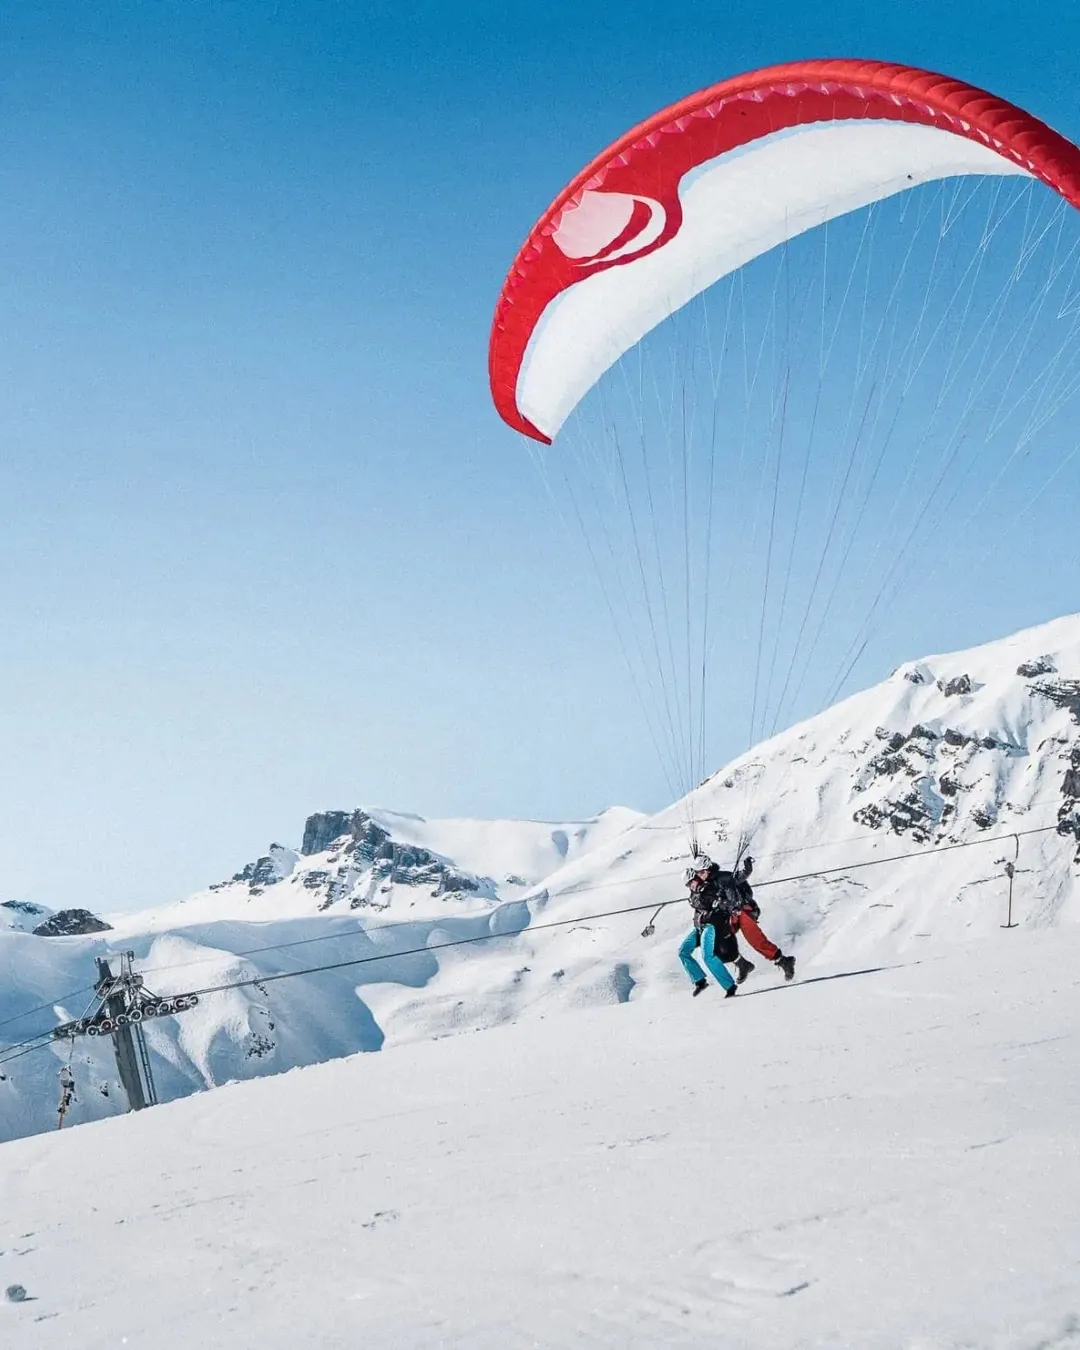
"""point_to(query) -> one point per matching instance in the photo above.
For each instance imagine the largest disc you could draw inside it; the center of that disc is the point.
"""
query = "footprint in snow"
(746, 1277)
(381, 1216)
(642, 1139)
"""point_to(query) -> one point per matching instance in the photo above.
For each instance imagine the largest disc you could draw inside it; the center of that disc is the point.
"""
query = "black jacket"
(722, 895)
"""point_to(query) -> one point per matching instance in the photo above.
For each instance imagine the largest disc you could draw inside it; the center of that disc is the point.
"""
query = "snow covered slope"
(958, 749)
(966, 749)
(879, 1161)
(405, 877)
(19, 916)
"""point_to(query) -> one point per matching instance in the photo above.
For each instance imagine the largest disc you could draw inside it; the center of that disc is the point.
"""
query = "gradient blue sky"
(265, 547)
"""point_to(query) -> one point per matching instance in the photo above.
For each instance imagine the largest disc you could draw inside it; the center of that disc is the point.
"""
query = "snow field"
(887, 1159)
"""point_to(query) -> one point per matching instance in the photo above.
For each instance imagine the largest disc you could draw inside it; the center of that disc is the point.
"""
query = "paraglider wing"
(718, 179)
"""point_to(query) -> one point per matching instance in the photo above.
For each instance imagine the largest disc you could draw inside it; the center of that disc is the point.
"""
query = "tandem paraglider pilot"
(724, 906)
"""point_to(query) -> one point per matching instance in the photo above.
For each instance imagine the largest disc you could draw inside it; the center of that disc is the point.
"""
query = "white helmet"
(701, 863)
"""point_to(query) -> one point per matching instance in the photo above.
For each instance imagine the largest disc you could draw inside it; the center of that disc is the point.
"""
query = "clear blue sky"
(265, 547)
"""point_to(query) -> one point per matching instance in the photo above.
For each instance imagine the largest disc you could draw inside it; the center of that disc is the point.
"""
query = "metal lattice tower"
(123, 1004)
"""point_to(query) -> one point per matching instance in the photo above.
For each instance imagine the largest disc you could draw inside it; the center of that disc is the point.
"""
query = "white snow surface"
(18, 916)
(901, 769)
(881, 1160)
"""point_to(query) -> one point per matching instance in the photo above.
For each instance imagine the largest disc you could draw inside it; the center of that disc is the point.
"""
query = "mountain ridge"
(971, 747)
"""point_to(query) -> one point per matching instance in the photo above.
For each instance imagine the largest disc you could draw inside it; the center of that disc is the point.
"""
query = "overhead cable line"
(608, 914)
(45, 1007)
(25, 1047)
(35, 1043)
(588, 890)
(915, 853)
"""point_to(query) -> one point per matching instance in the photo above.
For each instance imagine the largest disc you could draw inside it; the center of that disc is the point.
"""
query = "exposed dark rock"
(958, 738)
(367, 860)
(405, 864)
(899, 740)
(22, 907)
(259, 873)
(453, 881)
(983, 819)
(1042, 666)
(1068, 825)
(368, 840)
(321, 829)
(70, 923)
(900, 747)
(948, 787)
(1070, 786)
(887, 764)
(1068, 820)
(960, 684)
(1065, 693)
(918, 675)
(905, 814)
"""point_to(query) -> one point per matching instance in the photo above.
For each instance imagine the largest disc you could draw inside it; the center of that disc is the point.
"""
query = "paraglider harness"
(716, 896)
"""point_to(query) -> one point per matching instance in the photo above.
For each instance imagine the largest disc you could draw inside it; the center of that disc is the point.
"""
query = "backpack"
(735, 894)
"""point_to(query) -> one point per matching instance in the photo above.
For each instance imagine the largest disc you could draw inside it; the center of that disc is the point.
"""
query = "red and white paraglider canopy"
(714, 181)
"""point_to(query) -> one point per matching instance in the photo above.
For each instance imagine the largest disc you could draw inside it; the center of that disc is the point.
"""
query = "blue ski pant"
(715, 966)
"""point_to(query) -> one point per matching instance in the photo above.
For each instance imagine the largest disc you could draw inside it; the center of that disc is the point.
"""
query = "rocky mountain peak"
(360, 863)
(71, 923)
(322, 829)
(1065, 693)
(934, 778)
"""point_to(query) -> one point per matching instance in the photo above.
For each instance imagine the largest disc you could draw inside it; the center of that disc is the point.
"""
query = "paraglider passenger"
(724, 905)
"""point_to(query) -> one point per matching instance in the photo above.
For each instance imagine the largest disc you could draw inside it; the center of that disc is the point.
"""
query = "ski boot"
(730, 993)
(700, 987)
(744, 967)
(787, 965)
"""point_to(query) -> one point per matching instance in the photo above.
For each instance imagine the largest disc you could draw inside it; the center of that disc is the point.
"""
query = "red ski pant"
(744, 924)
